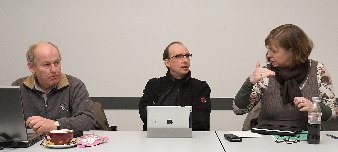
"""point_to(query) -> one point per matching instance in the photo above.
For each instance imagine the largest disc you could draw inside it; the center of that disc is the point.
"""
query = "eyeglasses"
(288, 139)
(181, 56)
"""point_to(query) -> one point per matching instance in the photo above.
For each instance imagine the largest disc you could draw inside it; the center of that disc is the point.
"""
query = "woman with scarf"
(284, 87)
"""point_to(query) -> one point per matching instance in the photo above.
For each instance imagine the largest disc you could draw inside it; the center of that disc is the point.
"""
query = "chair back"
(100, 117)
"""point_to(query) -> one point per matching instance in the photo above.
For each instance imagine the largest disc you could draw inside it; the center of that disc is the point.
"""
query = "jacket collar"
(29, 82)
(173, 79)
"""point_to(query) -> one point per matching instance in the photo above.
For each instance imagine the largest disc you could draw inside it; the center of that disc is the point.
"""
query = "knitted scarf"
(290, 79)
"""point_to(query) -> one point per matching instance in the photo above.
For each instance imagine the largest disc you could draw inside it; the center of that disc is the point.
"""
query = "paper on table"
(245, 134)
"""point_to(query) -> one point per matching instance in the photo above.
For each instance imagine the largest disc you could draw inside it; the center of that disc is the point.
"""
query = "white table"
(136, 141)
(267, 144)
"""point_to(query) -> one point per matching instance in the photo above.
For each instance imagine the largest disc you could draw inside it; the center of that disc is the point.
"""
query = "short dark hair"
(291, 37)
(166, 50)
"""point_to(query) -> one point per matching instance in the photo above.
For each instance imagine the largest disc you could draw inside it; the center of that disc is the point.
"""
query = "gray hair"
(30, 56)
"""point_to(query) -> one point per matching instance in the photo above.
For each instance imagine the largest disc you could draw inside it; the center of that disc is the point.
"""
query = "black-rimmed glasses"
(288, 139)
(181, 56)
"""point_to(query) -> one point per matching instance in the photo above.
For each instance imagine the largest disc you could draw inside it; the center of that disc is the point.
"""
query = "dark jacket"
(68, 103)
(192, 92)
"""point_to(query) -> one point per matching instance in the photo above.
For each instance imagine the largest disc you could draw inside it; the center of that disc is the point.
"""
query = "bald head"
(30, 55)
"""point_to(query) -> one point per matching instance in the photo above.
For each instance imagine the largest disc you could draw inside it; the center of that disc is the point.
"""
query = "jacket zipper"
(45, 102)
(178, 97)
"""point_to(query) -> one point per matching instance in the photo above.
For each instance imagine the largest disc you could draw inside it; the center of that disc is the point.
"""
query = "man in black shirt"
(178, 88)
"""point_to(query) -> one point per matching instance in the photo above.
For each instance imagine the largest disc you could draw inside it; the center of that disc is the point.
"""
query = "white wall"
(115, 46)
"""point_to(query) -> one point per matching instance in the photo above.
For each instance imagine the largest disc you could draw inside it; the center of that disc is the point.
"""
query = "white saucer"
(71, 144)
(60, 146)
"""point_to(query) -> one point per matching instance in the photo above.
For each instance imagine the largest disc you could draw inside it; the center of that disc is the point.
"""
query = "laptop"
(13, 132)
(169, 122)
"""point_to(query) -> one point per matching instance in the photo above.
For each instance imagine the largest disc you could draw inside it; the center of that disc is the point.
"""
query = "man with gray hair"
(51, 99)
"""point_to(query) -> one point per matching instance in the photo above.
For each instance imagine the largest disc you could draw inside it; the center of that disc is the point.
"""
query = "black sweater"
(192, 92)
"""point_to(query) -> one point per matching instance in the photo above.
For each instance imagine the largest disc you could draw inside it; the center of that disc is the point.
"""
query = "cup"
(60, 137)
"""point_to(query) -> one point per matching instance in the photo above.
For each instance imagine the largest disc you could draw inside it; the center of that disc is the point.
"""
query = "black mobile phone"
(232, 138)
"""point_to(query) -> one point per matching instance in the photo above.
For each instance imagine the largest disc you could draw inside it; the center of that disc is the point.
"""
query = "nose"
(53, 67)
(268, 54)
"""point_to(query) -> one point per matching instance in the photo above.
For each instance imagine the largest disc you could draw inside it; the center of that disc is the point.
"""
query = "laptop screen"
(12, 122)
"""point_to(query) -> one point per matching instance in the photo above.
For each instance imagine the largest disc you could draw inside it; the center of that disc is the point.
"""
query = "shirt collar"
(37, 87)
(30, 82)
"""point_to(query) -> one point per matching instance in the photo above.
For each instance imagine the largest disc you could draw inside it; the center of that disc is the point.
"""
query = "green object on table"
(301, 136)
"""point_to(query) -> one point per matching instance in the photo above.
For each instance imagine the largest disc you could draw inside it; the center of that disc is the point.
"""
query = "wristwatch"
(57, 124)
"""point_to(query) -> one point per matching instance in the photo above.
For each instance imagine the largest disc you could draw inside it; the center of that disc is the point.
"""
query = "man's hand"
(40, 125)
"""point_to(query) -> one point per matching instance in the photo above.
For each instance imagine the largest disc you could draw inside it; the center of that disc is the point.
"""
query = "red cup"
(60, 137)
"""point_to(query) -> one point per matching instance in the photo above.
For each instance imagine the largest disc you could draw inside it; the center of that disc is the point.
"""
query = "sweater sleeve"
(247, 97)
(242, 96)
(201, 107)
(146, 100)
(326, 93)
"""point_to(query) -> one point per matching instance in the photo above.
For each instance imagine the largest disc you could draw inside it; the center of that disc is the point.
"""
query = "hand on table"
(40, 125)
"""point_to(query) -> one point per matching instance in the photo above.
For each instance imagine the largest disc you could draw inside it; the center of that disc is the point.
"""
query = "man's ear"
(30, 66)
(165, 61)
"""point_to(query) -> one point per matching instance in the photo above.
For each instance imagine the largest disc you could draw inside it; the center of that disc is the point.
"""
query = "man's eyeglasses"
(181, 56)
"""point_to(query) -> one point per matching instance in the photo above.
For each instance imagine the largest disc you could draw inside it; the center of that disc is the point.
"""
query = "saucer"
(49, 144)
